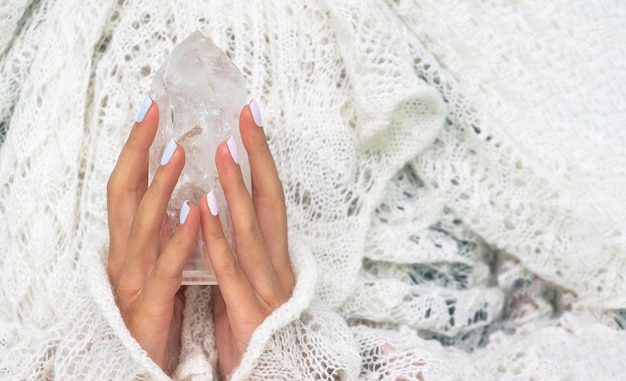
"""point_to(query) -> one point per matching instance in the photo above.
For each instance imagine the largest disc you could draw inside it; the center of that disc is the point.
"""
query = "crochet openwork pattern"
(454, 174)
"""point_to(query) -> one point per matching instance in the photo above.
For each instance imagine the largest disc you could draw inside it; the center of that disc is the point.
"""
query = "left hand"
(259, 278)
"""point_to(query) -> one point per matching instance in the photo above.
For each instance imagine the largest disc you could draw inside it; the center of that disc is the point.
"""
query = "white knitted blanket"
(455, 177)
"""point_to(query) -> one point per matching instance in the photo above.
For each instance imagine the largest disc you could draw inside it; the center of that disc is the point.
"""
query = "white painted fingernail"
(168, 152)
(143, 110)
(256, 112)
(232, 147)
(212, 203)
(184, 212)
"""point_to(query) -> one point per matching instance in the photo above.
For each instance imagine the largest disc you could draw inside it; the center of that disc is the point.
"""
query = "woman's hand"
(145, 263)
(255, 277)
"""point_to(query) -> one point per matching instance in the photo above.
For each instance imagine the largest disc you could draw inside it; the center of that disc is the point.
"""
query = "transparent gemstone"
(200, 94)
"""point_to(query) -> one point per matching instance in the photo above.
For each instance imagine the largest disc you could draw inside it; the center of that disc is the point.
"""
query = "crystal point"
(200, 94)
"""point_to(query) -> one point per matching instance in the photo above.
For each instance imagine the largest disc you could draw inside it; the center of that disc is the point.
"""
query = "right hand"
(145, 263)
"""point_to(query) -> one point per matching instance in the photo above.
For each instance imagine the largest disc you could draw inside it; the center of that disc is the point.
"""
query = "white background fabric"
(454, 175)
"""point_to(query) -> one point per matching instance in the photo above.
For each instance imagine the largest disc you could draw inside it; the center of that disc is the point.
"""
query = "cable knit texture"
(454, 174)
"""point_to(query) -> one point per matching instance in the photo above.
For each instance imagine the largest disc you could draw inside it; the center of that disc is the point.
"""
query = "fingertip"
(204, 212)
(212, 204)
(145, 127)
(188, 213)
(184, 212)
(143, 109)
(222, 151)
(209, 214)
(255, 111)
(245, 117)
(173, 153)
(251, 126)
(224, 158)
(168, 151)
(231, 143)
(189, 218)
(148, 113)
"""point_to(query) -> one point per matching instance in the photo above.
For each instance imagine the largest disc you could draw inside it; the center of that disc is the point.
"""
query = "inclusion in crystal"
(200, 94)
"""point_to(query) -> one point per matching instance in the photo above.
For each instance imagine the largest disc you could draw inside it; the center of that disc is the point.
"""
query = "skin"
(145, 262)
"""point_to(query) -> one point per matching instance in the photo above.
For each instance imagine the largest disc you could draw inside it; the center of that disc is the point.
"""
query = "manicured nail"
(168, 152)
(256, 113)
(232, 147)
(212, 203)
(143, 110)
(184, 212)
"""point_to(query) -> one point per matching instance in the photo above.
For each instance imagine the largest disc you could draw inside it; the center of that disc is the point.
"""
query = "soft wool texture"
(454, 174)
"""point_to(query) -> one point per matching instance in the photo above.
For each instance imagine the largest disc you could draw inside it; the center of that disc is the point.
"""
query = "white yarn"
(548, 78)
(454, 175)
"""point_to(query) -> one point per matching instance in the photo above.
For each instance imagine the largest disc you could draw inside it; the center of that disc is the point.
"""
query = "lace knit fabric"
(454, 175)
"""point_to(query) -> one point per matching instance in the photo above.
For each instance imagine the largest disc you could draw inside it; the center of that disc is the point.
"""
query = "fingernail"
(256, 112)
(168, 152)
(232, 147)
(184, 212)
(143, 110)
(212, 203)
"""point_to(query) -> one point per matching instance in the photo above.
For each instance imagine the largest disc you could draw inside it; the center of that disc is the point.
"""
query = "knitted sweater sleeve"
(453, 174)
(303, 339)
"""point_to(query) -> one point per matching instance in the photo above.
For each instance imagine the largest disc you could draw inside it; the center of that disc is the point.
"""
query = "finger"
(252, 252)
(166, 277)
(127, 183)
(145, 232)
(236, 290)
(267, 192)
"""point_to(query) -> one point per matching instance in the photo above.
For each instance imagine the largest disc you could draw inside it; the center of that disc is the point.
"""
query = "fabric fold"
(453, 176)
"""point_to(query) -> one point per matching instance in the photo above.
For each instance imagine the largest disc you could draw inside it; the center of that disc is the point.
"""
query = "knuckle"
(135, 141)
(126, 296)
(271, 193)
(251, 231)
(217, 238)
(162, 182)
(136, 230)
(113, 272)
(290, 284)
(180, 243)
(157, 181)
(238, 184)
(129, 311)
(285, 286)
(164, 272)
(230, 269)
(275, 301)
(183, 245)
(282, 297)
(280, 192)
(256, 235)
(112, 185)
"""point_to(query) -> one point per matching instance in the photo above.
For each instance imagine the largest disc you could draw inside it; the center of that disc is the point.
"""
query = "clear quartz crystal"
(200, 94)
